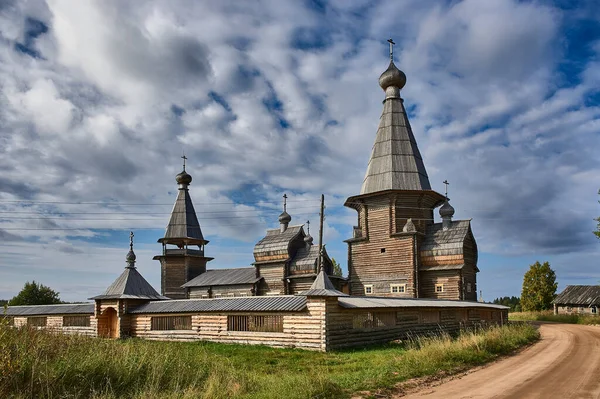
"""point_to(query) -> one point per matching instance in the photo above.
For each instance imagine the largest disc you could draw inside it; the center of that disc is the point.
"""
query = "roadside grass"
(40, 364)
(550, 316)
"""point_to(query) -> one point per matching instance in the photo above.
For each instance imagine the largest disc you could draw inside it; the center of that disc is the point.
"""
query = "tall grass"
(550, 316)
(40, 364)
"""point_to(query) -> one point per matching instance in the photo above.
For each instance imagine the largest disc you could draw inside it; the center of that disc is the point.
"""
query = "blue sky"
(99, 99)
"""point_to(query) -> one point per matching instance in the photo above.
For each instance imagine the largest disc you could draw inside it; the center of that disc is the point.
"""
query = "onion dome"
(446, 211)
(285, 218)
(308, 239)
(130, 257)
(392, 77)
(183, 178)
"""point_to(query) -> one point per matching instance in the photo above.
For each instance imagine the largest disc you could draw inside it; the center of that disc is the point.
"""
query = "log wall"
(382, 260)
(55, 323)
(451, 280)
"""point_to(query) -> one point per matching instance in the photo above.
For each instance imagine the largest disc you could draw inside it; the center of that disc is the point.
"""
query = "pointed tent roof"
(322, 286)
(183, 225)
(130, 285)
(395, 163)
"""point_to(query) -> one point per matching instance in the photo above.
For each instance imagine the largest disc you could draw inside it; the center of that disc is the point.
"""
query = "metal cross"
(184, 159)
(131, 240)
(308, 226)
(285, 202)
(391, 42)
(446, 183)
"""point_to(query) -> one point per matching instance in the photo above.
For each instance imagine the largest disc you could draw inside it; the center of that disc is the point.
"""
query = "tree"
(35, 294)
(539, 287)
(3, 302)
(337, 269)
(597, 232)
(513, 302)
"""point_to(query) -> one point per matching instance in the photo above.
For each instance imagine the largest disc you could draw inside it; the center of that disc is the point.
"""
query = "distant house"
(578, 299)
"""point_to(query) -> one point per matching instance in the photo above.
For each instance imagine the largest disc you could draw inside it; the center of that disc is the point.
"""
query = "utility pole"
(322, 218)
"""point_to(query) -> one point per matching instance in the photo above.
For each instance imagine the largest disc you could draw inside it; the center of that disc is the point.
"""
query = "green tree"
(337, 269)
(3, 302)
(597, 232)
(513, 302)
(539, 287)
(35, 294)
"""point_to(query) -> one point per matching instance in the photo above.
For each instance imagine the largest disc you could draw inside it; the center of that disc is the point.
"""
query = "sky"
(99, 99)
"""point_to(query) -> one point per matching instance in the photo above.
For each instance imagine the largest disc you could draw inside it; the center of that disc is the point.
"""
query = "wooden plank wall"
(371, 266)
(450, 278)
(273, 274)
(410, 322)
(300, 330)
(224, 290)
(55, 323)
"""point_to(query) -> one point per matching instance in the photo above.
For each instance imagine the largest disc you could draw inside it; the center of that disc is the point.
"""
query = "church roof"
(244, 275)
(395, 163)
(587, 295)
(130, 285)
(440, 242)
(307, 257)
(183, 225)
(277, 242)
(322, 286)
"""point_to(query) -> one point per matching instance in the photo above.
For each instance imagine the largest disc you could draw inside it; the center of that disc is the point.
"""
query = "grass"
(550, 316)
(38, 364)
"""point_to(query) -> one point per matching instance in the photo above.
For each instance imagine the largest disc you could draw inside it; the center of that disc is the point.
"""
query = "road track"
(565, 363)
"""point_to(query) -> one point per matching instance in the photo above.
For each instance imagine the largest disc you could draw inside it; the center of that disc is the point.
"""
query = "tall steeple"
(395, 163)
(182, 264)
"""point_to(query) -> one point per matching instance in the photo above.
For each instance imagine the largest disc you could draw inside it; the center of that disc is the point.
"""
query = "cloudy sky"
(98, 100)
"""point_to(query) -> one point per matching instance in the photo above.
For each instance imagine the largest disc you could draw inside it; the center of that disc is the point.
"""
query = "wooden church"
(288, 297)
(396, 248)
(285, 259)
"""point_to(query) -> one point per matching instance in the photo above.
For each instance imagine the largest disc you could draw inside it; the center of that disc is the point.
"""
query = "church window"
(439, 288)
(397, 288)
(76, 321)
(267, 323)
(382, 250)
(36, 321)
(169, 323)
(594, 310)
(469, 288)
(368, 289)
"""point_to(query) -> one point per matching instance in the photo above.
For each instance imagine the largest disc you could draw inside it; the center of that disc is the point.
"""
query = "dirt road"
(564, 364)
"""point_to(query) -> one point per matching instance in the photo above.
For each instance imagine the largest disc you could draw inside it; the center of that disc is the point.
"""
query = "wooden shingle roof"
(215, 277)
(183, 225)
(579, 295)
(395, 163)
(440, 242)
(130, 285)
(277, 242)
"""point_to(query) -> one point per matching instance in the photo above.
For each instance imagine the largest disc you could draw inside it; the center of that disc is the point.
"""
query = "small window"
(368, 289)
(169, 323)
(382, 250)
(397, 288)
(569, 309)
(594, 310)
(76, 321)
(581, 309)
(36, 321)
(231, 294)
(469, 287)
(269, 323)
(439, 288)
(204, 296)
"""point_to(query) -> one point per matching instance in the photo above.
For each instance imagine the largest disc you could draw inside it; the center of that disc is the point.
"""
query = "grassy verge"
(550, 316)
(36, 364)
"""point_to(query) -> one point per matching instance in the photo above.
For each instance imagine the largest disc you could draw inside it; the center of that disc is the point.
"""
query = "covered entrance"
(108, 324)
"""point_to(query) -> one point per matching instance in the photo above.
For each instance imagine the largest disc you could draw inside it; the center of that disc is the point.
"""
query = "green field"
(37, 364)
(550, 316)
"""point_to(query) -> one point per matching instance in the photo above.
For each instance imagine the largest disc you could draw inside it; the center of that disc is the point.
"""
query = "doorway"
(108, 324)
